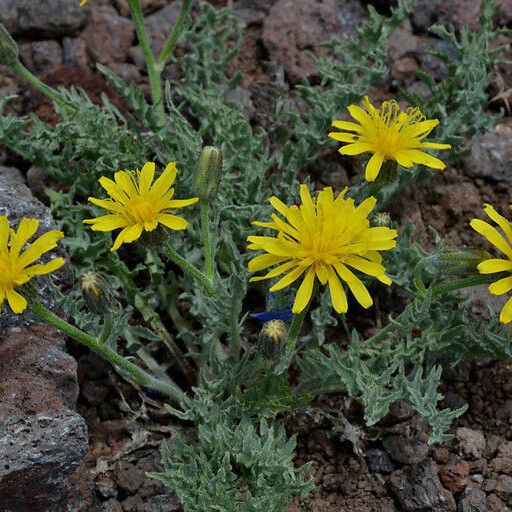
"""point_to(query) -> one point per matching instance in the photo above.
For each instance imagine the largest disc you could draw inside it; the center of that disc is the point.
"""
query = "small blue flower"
(285, 315)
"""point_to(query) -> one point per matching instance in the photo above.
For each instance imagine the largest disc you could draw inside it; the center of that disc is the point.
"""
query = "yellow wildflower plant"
(17, 267)
(503, 242)
(323, 238)
(137, 204)
(390, 134)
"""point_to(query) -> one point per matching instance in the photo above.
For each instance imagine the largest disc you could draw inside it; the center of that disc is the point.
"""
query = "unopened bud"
(461, 261)
(209, 172)
(8, 48)
(382, 219)
(272, 340)
(97, 293)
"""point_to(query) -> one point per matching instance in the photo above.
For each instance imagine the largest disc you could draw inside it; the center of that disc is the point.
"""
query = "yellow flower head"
(322, 238)
(503, 242)
(16, 267)
(83, 2)
(137, 204)
(390, 134)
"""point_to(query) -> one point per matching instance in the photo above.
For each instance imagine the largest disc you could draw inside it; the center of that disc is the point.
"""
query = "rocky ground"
(386, 468)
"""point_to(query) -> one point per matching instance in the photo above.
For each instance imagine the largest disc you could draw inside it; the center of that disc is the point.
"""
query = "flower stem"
(293, 333)
(175, 33)
(205, 232)
(51, 93)
(189, 269)
(436, 290)
(130, 370)
(153, 69)
(156, 66)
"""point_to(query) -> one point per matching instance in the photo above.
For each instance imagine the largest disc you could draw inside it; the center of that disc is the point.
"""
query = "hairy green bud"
(8, 48)
(209, 172)
(461, 261)
(97, 293)
(272, 340)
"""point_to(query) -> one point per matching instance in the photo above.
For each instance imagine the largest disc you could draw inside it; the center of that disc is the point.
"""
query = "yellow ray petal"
(304, 292)
(172, 221)
(492, 235)
(501, 286)
(44, 268)
(506, 312)
(288, 279)
(502, 222)
(356, 148)
(146, 177)
(338, 295)
(263, 261)
(494, 265)
(17, 303)
(373, 166)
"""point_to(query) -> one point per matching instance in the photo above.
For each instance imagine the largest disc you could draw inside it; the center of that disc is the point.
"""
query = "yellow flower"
(390, 134)
(83, 2)
(15, 266)
(322, 238)
(503, 242)
(137, 204)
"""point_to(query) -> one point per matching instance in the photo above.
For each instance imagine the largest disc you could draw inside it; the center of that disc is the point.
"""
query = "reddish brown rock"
(295, 27)
(454, 477)
(42, 439)
(108, 35)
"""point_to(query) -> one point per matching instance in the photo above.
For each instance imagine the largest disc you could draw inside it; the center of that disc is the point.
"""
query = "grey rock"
(48, 18)
(109, 36)
(418, 489)
(473, 500)
(491, 155)
(39, 453)
(41, 56)
(162, 503)
(242, 97)
(8, 14)
(471, 442)
(379, 461)
(16, 202)
(406, 450)
(253, 11)
(147, 6)
(74, 52)
(128, 72)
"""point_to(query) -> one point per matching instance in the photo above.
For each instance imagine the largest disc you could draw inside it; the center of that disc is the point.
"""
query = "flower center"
(140, 210)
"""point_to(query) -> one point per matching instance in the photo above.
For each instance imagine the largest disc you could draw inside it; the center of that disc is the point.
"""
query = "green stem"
(51, 93)
(175, 34)
(132, 371)
(462, 283)
(207, 242)
(295, 327)
(189, 269)
(153, 69)
(436, 290)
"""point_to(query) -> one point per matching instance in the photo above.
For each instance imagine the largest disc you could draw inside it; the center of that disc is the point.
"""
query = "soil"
(356, 469)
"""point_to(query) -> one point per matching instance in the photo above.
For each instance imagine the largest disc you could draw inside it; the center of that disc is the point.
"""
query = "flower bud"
(382, 219)
(97, 293)
(209, 172)
(8, 48)
(272, 340)
(461, 261)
